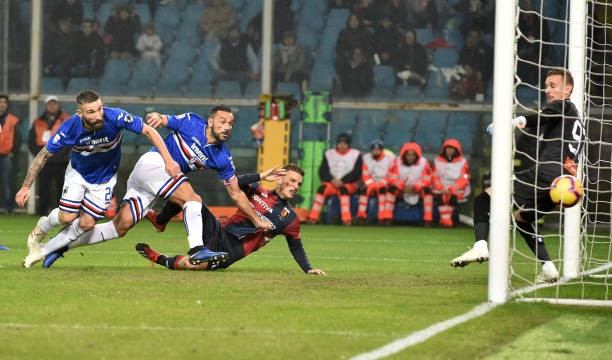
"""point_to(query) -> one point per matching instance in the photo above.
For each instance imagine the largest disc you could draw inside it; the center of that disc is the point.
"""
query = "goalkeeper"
(237, 235)
(560, 138)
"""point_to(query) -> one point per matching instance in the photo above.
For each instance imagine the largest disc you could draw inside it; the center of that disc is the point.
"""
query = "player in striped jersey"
(195, 143)
(94, 133)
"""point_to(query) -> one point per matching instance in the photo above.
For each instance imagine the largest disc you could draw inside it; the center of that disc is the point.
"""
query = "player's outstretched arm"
(172, 167)
(37, 164)
(157, 120)
(241, 201)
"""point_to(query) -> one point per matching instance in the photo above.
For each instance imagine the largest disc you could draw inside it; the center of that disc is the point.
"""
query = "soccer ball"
(566, 191)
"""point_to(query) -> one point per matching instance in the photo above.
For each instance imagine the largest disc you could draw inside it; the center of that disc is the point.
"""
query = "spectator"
(282, 21)
(149, 44)
(122, 26)
(59, 51)
(9, 143)
(91, 57)
(424, 14)
(355, 75)
(531, 45)
(397, 10)
(53, 172)
(290, 61)
(410, 179)
(479, 15)
(466, 85)
(354, 35)
(376, 168)
(368, 11)
(234, 59)
(340, 173)
(217, 18)
(386, 41)
(450, 181)
(71, 9)
(412, 61)
(478, 55)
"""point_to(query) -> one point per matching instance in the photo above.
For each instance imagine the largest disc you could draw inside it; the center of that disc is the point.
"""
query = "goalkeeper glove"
(517, 122)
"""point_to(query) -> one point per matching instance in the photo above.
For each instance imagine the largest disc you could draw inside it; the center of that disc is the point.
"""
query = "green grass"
(105, 301)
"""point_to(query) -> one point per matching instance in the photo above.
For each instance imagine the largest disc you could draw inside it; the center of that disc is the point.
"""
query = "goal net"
(551, 33)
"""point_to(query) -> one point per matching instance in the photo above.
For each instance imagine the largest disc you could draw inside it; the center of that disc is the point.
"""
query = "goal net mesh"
(542, 43)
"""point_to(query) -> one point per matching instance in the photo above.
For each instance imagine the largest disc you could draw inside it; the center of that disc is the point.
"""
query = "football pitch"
(383, 284)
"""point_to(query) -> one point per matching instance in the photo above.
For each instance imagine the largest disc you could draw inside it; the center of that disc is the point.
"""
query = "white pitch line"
(422, 335)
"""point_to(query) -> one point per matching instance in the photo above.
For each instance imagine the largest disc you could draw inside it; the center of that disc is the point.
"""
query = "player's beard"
(219, 137)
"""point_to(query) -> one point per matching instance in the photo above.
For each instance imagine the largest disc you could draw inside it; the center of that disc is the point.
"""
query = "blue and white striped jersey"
(95, 154)
(187, 143)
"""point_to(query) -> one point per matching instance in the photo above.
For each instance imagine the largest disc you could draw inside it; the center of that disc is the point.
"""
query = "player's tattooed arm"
(37, 164)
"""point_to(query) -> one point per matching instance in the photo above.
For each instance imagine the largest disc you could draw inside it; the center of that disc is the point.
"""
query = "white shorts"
(147, 182)
(78, 194)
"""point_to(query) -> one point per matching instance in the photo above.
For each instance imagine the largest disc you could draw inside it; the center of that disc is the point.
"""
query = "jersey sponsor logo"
(262, 203)
(199, 154)
(93, 142)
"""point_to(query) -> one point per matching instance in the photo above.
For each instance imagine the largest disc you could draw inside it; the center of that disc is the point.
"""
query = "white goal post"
(578, 238)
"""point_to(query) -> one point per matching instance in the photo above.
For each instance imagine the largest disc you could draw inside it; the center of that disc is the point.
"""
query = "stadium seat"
(144, 78)
(249, 10)
(241, 134)
(431, 130)
(181, 52)
(437, 87)
(198, 87)
(424, 36)
(321, 77)
(337, 18)
(143, 12)
(445, 57)
(192, 14)
(407, 93)
(104, 12)
(227, 88)
(400, 128)
(289, 88)
(167, 15)
(51, 85)
(116, 70)
(78, 84)
(371, 126)
(252, 90)
(110, 87)
(236, 4)
(384, 76)
(189, 33)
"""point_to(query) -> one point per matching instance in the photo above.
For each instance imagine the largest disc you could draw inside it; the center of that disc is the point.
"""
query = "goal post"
(501, 156)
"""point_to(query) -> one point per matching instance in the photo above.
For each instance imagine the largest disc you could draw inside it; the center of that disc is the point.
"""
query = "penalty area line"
(422, 335)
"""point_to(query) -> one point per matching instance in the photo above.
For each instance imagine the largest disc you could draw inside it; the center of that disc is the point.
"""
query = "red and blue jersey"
(95, 154)
(268, 204)
(188, 146)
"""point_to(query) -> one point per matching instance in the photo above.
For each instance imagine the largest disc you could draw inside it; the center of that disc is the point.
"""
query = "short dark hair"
(86, 97)
(569, 79)
(5, 97)
(214, 110)
(294, 167)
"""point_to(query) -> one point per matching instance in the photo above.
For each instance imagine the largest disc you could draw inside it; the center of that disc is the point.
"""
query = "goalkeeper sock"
(534, 240)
